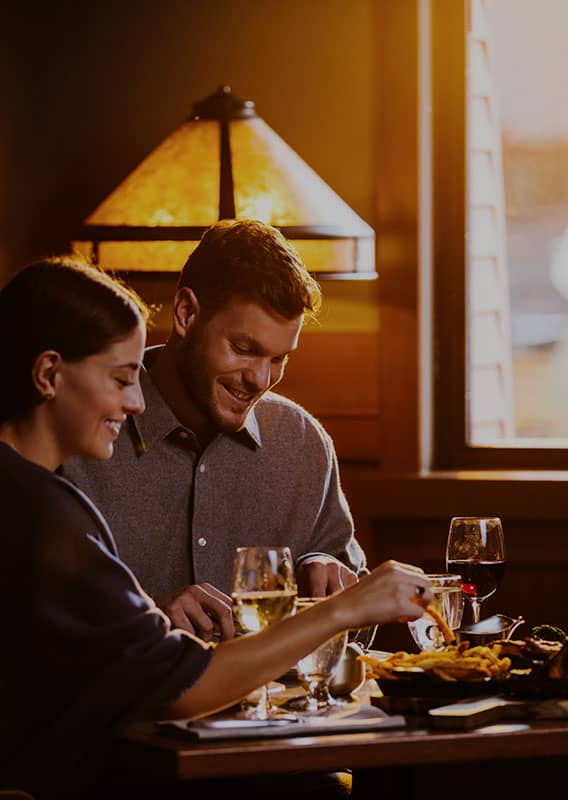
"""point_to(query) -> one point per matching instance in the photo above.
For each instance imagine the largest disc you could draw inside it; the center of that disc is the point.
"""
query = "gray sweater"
(178, 513)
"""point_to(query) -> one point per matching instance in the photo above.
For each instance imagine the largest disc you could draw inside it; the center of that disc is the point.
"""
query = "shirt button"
(183, 434)
(202, 541)
(202, 468)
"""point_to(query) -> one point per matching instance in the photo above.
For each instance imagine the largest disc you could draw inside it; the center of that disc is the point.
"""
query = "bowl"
(499, 626)
(350, 673)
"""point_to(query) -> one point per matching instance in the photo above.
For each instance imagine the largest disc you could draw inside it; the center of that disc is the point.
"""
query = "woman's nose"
(135, 400)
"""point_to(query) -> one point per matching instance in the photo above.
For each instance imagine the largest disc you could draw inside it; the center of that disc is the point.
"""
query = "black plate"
(536, 687)
(428, 685)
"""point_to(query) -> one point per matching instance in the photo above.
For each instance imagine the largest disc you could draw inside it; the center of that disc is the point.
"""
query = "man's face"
(228, 361)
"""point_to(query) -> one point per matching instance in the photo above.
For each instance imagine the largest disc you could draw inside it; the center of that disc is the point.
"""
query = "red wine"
(480, 579)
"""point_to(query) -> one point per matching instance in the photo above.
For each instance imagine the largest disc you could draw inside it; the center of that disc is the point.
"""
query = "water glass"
(316, 670)
(448, 601)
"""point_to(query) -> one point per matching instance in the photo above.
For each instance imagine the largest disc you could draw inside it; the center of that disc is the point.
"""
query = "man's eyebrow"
(255, 345)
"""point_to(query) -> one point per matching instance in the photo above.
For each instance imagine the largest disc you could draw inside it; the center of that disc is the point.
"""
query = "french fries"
(443, 626)
(454, 663)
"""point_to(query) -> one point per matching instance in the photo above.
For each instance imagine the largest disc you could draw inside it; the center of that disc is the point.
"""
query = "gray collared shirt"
(178, 513)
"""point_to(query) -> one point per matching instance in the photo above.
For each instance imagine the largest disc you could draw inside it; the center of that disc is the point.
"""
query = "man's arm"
(339, 560)
(319, 574)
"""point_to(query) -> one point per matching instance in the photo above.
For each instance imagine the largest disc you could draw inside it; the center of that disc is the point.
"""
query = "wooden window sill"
(528, 494)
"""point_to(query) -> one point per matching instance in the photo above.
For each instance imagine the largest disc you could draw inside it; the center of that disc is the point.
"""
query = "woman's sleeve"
(99, 634)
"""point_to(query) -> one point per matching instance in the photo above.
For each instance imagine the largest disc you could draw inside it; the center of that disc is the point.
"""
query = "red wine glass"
(476, 551)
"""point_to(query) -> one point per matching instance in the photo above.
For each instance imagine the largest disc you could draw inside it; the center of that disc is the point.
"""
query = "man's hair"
(252, 260)
(60, 304)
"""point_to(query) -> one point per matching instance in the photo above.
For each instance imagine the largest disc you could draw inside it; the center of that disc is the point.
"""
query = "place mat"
(350, 719)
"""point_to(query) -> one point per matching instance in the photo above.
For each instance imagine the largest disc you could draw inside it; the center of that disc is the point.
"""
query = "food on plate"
(549, 633)
(557, 667)
(527, 651)
(454, 663)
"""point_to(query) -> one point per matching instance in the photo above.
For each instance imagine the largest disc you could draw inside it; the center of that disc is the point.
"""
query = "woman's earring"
(48, 395)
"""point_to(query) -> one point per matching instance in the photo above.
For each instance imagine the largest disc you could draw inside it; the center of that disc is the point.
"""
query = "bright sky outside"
(532, 66)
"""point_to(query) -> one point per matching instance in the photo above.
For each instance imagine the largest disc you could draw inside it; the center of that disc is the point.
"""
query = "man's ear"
(44, 372)
(186, 310)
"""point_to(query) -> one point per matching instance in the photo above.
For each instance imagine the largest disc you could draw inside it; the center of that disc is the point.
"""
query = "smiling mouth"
(113, 426)
(243, 398)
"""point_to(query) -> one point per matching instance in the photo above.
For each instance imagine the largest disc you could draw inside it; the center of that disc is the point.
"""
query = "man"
(217, 460)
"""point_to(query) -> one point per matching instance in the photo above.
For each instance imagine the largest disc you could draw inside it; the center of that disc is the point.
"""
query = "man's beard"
(198, 388)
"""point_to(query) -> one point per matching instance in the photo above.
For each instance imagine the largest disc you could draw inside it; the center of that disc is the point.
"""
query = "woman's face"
(94, 395)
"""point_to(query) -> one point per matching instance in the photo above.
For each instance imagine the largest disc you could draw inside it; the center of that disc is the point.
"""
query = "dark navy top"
(84, 651)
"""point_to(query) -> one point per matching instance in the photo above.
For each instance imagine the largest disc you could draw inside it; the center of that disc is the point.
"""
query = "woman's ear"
(186, 310)
(44, 372)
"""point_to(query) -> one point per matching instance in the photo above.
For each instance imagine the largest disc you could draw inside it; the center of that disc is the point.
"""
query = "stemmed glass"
(476, 550)
(263, 592)
(316, 670)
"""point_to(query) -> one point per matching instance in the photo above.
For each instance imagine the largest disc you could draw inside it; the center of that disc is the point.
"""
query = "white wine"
(258, 610)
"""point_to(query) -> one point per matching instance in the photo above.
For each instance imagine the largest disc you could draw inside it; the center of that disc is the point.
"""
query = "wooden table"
(416, 757)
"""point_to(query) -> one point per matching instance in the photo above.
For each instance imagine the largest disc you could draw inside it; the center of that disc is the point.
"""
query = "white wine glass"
(316, 670)
(263, 592)
(476, 551)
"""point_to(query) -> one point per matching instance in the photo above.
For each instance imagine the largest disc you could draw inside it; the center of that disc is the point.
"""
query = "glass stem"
(318, 696)
(263, 706)
(476, 610)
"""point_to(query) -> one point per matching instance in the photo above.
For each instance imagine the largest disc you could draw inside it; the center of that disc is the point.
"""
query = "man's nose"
(259, 375)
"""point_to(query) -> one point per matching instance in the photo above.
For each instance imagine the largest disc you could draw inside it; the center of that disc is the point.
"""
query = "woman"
(85, 649)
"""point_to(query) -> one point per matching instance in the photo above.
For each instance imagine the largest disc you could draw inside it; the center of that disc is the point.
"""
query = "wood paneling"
(334, 376)
(397, 232)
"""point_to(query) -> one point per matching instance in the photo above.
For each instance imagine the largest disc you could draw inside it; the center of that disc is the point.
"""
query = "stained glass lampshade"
(224, 162)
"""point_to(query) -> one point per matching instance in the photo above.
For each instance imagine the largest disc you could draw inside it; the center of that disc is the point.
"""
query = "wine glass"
(263, 592)
(448, 601)
(476, 550)
(316, 670)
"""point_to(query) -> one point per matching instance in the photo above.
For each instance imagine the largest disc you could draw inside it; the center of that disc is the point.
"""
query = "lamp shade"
(224, 162)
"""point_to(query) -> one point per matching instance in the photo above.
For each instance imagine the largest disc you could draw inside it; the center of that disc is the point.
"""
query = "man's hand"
(320, 578)
(201, 609)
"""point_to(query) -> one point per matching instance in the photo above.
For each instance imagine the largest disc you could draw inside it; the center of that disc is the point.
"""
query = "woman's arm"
(240, 665)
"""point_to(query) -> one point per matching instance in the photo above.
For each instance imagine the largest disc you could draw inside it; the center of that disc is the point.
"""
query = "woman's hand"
(391, 592)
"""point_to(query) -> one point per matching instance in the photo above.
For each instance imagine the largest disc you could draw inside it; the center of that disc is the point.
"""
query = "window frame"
(451, 450)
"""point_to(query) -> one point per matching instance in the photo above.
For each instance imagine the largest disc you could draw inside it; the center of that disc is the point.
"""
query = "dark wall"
(88, 90)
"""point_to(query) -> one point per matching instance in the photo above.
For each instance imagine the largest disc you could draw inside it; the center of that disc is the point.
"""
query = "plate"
(428, 685)
(536, 687)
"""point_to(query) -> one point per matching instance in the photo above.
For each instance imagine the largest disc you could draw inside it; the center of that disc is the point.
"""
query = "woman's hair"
(59, 304)
(251, 260)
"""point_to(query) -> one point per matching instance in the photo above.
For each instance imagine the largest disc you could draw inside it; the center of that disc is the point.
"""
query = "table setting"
(462, 675)
(465, 674)
(298, 709)
(318, 695)
(508, 699)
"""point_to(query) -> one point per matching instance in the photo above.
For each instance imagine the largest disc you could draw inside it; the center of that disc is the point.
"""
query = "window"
(500, 236)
